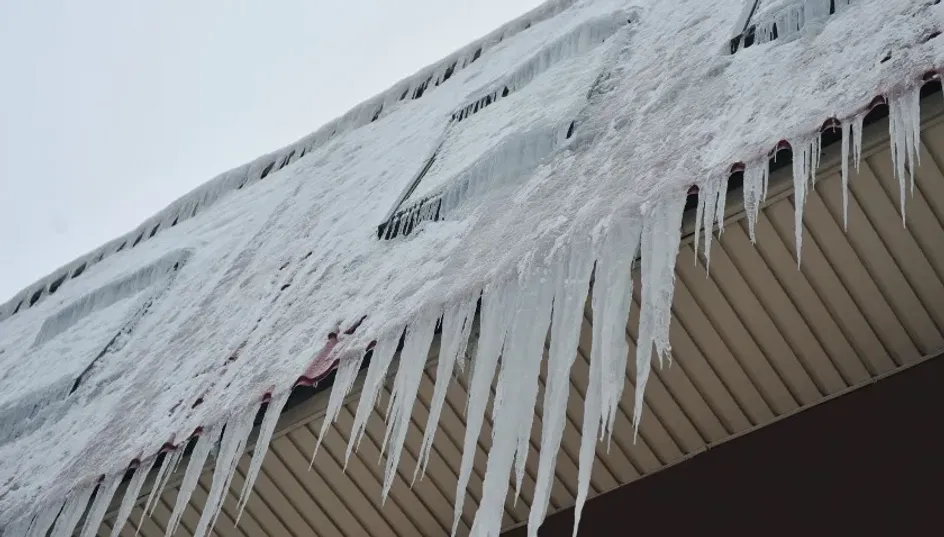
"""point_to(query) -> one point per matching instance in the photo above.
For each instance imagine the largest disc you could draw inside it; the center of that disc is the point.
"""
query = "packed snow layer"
(275, 265)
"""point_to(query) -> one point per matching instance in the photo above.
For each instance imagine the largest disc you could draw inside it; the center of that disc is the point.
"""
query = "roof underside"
(754, 341)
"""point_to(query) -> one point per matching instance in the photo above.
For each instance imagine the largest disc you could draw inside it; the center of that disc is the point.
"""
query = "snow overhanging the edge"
(621, 184)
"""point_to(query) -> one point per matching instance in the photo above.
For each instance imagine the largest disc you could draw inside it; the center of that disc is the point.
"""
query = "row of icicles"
(514, 320)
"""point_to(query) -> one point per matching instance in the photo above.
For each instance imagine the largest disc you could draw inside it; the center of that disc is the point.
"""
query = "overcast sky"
(111, 109)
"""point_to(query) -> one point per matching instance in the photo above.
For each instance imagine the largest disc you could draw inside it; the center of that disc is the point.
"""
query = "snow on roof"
(615, 109)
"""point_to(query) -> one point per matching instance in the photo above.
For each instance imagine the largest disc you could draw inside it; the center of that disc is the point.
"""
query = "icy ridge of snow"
(506, 245)
(108, 295)
(785, 19)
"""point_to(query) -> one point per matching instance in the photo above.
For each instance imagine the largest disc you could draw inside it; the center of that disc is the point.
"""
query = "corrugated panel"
(755, 339)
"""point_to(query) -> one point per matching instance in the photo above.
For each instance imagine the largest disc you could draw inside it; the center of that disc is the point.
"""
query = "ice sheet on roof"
(279, 262)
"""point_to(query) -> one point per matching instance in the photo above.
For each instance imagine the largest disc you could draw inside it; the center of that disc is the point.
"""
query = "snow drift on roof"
(283, 251)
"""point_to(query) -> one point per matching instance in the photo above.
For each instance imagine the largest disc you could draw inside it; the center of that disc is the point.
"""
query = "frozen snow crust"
(235, 293)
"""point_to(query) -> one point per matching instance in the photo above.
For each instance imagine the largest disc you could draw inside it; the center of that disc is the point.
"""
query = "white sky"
(111, 109)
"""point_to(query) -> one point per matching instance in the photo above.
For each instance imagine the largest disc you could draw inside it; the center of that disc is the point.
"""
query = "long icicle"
(904, 125)
(198, 457)
(755, 181)
(617, 273)
(720, 207)
(711, 206)
(419, 338)
(496, 302)
(516, 394)
(348, 368)
(168, 467)
(857, 125)
(612, 298)
(376, 373)
(660, 245)
(266, 429)
(846, 127)
(699, 217)
(72, 512)
(456, 328)
(131, 495)
(232, 446)
(803, 166)
(96, 513)
(570, 299)
(527, 338)
(40, 525)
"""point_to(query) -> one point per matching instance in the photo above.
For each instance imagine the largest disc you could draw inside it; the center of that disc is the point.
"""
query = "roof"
(262, 275)
(754, 342)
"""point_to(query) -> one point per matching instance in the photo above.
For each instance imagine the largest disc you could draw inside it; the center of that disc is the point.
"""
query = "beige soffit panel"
(754, 340)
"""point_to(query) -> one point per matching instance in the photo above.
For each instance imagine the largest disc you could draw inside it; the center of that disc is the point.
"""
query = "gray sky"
(111, 109)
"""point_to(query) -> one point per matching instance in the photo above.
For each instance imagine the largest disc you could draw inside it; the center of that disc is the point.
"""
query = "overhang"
(755, 340)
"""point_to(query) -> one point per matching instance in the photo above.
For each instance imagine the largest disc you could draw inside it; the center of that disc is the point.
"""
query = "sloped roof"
(618, 107)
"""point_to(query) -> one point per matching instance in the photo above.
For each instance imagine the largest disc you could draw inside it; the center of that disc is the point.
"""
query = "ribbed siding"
(753, 340)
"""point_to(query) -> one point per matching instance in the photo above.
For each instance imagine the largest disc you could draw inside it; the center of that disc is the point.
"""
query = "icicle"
(376, 372)
(131, 495)
(711, 201)
(269, 421)
(569, 300)
(167, 469)
(851, 136)
(526, 346)
(816, 151)
(592, 408)
(612, 298)
(198, 457)
(232, 446)
(72, 512)
(413, 358)
(344, 379)
(516, 395)
(904, 127)
(496, 304)
(720, 204)
(611, 305)
(846, 135)
(755, 192)
(456, 328)
(857, 124)
(106, 491)
(660, 245)
(804, 159)
(40, 525)
(699, 217)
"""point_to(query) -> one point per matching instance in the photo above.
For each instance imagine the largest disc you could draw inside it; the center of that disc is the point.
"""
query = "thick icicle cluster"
(515, 319)
(514, 322)
(904, 125)
(712, 196)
